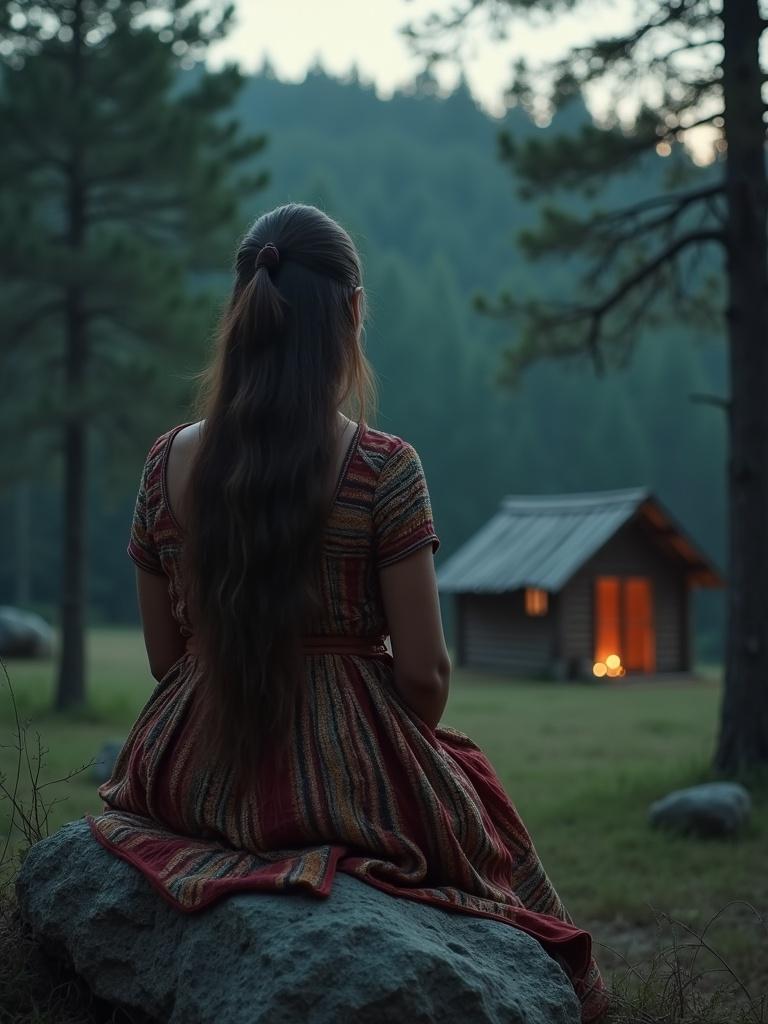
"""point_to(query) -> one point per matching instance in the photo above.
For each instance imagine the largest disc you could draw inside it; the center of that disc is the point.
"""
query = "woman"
(278, 543)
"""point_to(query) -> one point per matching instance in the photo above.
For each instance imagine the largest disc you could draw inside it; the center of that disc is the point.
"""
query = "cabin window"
(536, 601)
(624, 629)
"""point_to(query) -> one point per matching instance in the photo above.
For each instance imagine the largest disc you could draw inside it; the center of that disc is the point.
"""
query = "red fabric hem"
(155, 568)
(414, 542)
(222, 887)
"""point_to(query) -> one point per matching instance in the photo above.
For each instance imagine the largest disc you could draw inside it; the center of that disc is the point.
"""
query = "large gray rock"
(711, 809)
(358, 957)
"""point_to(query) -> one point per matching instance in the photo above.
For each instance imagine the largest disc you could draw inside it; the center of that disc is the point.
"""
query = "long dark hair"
(287, 357)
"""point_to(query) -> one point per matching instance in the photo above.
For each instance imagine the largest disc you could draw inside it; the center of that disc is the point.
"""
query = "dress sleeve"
(402, 511)
(141, 546)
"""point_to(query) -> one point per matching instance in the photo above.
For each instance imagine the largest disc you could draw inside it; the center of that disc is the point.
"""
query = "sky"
(294, 33)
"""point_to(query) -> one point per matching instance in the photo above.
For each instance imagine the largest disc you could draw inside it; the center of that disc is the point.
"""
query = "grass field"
(581, 762)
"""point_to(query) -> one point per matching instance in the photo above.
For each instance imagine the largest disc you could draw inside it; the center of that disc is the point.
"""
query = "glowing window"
(536, 601)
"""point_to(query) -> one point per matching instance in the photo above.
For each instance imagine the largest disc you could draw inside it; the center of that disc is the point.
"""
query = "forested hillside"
(417, 181)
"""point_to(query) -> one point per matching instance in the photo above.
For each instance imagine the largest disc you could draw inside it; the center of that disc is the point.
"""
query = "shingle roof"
(542, 540)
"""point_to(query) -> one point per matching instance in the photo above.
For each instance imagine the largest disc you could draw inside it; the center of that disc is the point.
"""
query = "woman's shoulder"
(380, 446)
(161, 444)
(153, 474)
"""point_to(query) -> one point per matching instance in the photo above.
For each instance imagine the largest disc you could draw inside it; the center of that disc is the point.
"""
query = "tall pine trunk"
(22, 536)
(70, 689)
(743, 741)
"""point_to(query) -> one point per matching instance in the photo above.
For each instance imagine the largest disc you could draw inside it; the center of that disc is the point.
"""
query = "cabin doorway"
(625, 637)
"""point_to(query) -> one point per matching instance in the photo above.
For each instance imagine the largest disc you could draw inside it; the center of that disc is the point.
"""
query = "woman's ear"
(357, 306)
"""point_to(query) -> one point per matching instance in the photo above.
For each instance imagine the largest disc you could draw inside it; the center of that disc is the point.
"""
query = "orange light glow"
(599, 669)
(639, 644)
(624, 621)
(607, 617)
(536, 601)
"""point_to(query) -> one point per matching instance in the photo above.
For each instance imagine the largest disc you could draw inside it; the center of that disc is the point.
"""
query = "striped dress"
(370, 789)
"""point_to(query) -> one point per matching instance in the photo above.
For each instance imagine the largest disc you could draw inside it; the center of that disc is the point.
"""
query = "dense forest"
(417, 181)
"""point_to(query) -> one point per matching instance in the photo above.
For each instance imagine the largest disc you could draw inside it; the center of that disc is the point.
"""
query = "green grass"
(119, 686)
(581, 763)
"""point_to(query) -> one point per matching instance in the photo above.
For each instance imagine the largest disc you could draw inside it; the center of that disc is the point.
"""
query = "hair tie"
(268, 256)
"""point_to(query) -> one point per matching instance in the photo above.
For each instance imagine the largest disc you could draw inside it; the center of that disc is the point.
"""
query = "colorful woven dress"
(370, 789)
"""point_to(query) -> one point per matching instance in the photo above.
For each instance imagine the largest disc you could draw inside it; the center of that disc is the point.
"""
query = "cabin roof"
(542, 540)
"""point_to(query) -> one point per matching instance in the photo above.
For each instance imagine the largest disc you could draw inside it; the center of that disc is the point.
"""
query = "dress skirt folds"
(369, 788)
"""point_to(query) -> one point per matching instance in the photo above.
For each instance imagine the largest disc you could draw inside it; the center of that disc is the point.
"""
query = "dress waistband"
(338, 643)
(329, 643)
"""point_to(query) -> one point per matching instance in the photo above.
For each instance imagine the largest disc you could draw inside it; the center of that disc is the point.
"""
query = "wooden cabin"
(576, 585)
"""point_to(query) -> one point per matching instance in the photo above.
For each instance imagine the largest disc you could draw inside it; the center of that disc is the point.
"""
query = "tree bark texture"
(71, 683)
(743, 740)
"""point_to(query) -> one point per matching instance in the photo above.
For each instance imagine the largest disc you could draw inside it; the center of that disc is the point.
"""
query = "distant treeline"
(416, 180)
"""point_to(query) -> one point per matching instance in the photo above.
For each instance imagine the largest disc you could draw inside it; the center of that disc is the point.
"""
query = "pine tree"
(121, 171)
(697, 248)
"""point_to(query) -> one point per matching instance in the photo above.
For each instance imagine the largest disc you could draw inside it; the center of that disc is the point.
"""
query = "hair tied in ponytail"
(286, 358)
(268, 256)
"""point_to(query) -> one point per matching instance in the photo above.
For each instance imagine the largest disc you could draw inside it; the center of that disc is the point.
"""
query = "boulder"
(359, 955)
(104, 762)
(24, 634)
(711, 809)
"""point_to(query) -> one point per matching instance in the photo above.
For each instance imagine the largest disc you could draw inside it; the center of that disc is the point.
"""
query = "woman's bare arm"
(164, 643)
(412, 607)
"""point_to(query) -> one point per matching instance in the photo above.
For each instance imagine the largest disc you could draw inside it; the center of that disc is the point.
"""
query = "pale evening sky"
(344, 32)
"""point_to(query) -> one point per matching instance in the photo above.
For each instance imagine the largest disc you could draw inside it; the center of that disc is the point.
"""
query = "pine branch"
(572, 161)
(16, 330)
(165, 216)
(636, 229)
(597, 312)
(679, 200)
(686, 47)
(716, 400)
(30, 140)
(547, 325)
(604, 55)
(606, 234)
(436, 24)
(675, 131)
(614, 48)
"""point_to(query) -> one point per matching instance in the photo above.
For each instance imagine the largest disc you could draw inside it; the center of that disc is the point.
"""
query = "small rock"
(711, 809)
(24, 634)
(104, 762)
(359, 955)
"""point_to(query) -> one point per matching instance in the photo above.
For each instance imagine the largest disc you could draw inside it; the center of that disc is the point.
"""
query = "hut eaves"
(542, 540)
